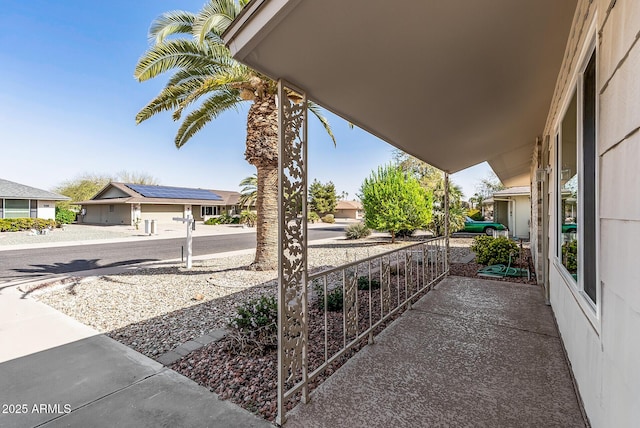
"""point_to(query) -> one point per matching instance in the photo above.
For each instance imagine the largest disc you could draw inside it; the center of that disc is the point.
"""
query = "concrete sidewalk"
(57, 372)
(471, 353)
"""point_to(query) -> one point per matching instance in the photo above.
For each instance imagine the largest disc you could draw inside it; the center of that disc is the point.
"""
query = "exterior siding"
(603, 346)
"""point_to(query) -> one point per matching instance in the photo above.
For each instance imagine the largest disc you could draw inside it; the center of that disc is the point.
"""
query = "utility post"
(190, 222)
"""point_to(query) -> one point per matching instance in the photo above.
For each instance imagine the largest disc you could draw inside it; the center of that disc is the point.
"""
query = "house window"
(16, 208)
(209, 210)
(576, 184)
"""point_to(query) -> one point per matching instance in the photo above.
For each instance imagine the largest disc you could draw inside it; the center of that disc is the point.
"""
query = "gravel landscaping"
(153, 310)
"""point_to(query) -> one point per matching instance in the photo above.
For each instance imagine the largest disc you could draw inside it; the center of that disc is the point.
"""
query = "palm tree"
(249, 191)
(205, 72)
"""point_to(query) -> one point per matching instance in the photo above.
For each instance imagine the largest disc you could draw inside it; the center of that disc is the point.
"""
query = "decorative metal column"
(446, 219)
(292, 245)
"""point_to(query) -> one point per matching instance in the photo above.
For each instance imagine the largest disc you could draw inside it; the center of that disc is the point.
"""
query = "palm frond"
(215, 17)
(170, 23)
(180, 53)
(209, 110)
(317, 112)
(169, 98)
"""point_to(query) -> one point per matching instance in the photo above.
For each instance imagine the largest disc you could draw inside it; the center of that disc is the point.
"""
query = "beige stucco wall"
(47, 209)
(603, 345)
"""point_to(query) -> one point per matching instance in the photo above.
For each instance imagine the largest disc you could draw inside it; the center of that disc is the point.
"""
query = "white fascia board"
(249, 29)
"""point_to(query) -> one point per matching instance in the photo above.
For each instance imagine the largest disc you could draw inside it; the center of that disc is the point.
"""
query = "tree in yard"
(394, 200)
(488, 186)
(249, 191)
(204, 72)
(80, 188)
(432, 178)
(136, 178)
(322, 198)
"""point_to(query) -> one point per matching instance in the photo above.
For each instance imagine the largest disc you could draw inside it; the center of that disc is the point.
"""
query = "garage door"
(161, 213)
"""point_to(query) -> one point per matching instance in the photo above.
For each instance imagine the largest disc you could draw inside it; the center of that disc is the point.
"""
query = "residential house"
(512, 207)
(123, 203)
(21, 201)
(546, 91)
(349, 210)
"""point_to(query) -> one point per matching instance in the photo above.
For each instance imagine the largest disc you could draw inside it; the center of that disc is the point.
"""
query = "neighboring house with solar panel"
(21, 201)
(122, 203)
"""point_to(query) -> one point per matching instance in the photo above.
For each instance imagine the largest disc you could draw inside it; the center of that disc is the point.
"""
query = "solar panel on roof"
(173, 192)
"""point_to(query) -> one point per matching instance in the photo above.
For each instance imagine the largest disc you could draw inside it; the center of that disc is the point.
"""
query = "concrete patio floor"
(471, 353)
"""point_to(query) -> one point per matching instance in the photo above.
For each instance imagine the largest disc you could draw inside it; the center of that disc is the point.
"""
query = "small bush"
(254, 329)
(312, 217)
(475, 215)
(335, 297)
(249, 218)
(329, 218)
(363, 283)
(212, 221)
(24, 223)
(64, 216)
(357, 231)
(492, 251)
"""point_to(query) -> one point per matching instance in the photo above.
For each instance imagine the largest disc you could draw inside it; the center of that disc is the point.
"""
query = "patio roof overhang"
(453, 82)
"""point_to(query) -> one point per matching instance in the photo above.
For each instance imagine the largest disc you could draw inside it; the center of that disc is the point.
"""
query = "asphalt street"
(32, 263)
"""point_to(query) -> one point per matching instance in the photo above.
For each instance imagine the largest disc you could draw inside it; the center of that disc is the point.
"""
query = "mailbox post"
(189, 221)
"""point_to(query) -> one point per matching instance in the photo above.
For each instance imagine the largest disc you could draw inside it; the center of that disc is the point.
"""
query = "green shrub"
(64, 216)
(363, 283)
(492, 251)
(255, 327)
(335, 297)
(24, 223)
(249, 218)
(570, 256)
(212, 221)
(475, 215)
(357, 231)
(329, 218)
(312, 217)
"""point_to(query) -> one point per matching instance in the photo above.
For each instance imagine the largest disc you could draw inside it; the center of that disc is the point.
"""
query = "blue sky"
(69, 99)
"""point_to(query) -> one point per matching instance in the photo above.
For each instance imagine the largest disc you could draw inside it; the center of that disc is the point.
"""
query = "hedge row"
(18, 224)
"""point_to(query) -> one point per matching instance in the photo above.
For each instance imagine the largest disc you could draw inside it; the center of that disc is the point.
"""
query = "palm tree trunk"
(267, 223)
(262, 152)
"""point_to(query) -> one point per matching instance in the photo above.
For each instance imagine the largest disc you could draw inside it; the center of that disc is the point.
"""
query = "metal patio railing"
(349, 304)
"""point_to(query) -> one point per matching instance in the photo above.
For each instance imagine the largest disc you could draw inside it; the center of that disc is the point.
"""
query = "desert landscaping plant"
(329, 218)
(335, 297)
(254, 330)
(357, 231)
(313, 217)
(491, 251)
(249, 218)
(65, 216)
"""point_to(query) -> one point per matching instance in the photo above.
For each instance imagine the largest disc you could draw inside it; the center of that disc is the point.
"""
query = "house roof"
(513, 191)
(11, 189)
(453, 83)
(124, 194)
(349, 205)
